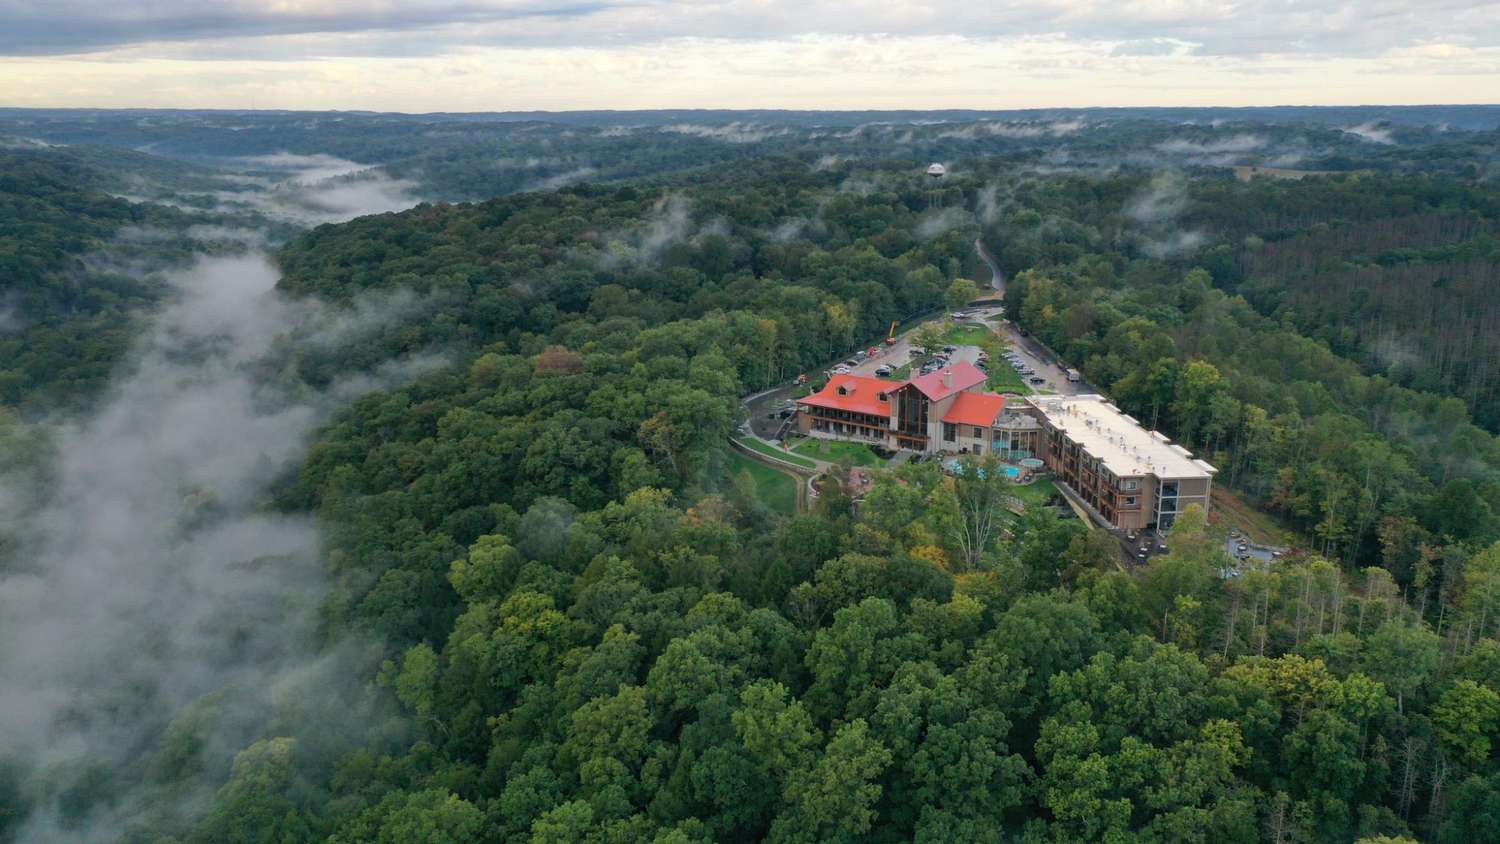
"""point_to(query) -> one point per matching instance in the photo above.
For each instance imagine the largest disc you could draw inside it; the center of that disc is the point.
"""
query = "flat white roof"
(1117, 440)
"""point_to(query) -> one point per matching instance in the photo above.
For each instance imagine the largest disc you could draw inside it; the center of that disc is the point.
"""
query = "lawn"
(757, 445)
(972, 335)
(1003, 379)
(776, 489)
(1035, 493)
(859, 454)
(1038, 493)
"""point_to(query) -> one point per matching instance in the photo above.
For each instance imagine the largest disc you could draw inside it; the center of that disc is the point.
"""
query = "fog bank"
(152, 582)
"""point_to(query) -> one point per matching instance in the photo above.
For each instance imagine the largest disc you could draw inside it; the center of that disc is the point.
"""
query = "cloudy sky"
(468, 55)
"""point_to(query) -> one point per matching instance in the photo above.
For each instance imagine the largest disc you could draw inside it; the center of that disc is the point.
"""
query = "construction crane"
(890, 337)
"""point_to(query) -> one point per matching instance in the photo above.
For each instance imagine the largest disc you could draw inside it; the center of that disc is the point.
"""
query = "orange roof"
(978, 409)
(934, 384)
(854, 393)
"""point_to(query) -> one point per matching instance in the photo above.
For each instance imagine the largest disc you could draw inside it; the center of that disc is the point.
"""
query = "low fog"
(152, 583)
(312, 189)
(1155, 210)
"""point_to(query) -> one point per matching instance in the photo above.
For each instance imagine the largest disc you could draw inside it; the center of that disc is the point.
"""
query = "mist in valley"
(156, 615)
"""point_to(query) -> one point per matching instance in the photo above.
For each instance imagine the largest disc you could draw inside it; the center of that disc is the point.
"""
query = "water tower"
(935, 174)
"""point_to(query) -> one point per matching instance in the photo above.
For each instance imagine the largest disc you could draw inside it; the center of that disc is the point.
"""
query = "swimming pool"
(955, 467)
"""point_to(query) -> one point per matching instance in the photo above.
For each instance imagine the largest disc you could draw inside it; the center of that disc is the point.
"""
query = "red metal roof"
(935, 385)
(978, 409)
(854, 393)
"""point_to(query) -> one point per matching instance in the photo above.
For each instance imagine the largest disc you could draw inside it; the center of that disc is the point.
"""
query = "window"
(1130, 484)
(979, 448)
(950, 432)
(979, 432)
(1130, 501)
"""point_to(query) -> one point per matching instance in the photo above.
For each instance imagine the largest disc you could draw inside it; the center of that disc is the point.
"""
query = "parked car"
(860, 355)
(841, 369)
(918, 350)
(1035, 380)
(950, 349)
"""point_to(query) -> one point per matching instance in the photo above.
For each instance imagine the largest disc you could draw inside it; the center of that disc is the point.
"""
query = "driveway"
(997, 278)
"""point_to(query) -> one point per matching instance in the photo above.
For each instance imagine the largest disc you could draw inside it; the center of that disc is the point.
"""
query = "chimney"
(948, 378)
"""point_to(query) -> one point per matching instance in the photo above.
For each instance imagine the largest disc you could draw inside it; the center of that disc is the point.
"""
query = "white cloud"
(564, 179)
(152, 575)
(941, 221)
(1234, 143)
(312, 189)
(1371, 132)
(809, 68)
(10, 320)
(734, 133)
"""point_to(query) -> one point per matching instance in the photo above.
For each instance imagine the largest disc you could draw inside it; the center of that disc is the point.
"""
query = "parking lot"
(1054, 374)
(899, 354)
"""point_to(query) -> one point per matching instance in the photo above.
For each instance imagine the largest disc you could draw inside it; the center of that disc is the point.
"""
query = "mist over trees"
(428, 530)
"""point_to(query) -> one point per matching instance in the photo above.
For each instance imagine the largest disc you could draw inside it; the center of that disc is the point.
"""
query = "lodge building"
(1132, 478)
(944, 411)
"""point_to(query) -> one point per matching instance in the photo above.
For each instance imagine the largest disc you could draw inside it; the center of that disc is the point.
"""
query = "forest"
(552, 613)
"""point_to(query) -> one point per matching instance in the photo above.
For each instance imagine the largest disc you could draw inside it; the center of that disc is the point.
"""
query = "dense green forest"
(79, 265)
(574, 623)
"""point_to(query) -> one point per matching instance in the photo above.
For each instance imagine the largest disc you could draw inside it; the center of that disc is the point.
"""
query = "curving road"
(997, 278)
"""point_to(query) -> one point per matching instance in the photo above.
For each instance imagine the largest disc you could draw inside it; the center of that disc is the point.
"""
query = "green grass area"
(1003, 379)
(757, 445)
(971, 335)
(859, 454)
(776, 489)
(1035, 493)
